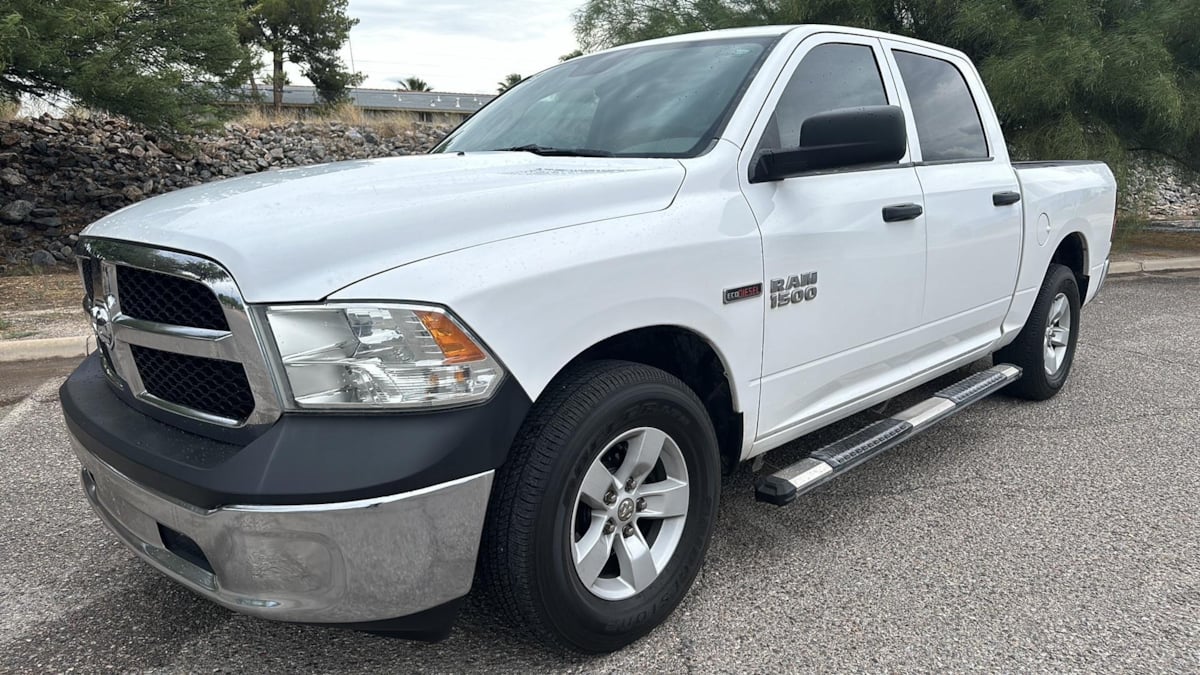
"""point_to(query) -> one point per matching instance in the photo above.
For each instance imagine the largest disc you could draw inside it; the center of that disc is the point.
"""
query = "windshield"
(667, 100)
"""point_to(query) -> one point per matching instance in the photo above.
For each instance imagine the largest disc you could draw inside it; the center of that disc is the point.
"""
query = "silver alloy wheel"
(1058, 334)
(629, 513)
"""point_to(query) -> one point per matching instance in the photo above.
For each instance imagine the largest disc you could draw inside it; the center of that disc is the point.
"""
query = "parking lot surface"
(1057, 536)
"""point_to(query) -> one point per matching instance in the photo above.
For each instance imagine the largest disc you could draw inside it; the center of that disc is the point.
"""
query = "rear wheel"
(602, 515)
(1045, 347)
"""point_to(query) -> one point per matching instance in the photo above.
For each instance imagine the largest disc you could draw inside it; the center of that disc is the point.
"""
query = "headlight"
(379, 356)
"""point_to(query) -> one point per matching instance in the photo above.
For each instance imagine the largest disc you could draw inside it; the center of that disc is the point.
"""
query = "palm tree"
(511, 80)
(414, 84)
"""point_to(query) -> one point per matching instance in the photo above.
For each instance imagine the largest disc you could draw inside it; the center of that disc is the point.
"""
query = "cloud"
(457, 45)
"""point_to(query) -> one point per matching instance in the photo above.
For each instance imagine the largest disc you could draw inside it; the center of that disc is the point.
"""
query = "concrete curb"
(1153, 265)
(51, 348)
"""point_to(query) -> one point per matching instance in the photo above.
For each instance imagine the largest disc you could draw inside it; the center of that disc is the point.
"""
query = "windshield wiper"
(546, 151)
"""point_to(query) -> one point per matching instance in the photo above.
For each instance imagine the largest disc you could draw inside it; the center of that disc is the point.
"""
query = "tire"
(1039, 381)
(541, 512)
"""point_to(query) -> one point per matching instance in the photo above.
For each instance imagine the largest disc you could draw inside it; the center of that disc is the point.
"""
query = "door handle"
(1005, 198)
(901, 212)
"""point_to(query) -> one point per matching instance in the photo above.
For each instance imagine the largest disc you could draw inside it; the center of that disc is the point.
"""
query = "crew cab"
(344, 394)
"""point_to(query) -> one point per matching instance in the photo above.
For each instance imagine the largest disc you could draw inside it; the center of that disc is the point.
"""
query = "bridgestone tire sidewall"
(580, 616)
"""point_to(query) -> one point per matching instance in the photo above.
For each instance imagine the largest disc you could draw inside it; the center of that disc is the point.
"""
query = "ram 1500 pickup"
(344, 394)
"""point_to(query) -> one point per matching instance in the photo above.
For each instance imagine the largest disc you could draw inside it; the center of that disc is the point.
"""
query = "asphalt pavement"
(1058, 536)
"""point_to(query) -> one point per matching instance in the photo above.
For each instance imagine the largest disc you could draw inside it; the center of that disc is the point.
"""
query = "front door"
(845, 285)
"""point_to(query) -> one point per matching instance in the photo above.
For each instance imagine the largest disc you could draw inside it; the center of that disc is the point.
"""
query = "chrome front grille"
(175, 332)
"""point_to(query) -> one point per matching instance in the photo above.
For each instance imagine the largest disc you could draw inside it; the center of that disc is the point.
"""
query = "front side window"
(668, 100)
(947, 120)
(830, 77)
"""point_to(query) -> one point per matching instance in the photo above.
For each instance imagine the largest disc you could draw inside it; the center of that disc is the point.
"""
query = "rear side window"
(947, 120)
(830, 77)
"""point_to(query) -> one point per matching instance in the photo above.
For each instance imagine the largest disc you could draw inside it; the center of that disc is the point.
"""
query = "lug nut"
(631, 485)
(609, 526)
(641, 504)
(628, 531)
(610, 498)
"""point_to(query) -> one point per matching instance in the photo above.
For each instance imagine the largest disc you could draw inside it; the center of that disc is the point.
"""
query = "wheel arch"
(1072, 252)
(689, 356)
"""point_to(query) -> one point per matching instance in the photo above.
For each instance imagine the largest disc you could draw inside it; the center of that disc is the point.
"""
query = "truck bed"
(1060, 198)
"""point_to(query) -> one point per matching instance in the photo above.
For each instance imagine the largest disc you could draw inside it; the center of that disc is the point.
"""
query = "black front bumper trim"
(303, 458)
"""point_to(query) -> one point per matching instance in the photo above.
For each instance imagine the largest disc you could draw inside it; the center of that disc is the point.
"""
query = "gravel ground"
(44, 323)
(1062, 536)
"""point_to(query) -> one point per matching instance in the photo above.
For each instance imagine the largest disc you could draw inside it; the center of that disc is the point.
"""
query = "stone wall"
(1160, 189)
(56, 175)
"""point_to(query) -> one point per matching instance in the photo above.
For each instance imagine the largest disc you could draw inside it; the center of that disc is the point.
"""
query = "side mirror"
(837, 139)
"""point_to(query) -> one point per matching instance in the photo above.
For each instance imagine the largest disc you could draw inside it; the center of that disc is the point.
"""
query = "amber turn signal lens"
(453, 342)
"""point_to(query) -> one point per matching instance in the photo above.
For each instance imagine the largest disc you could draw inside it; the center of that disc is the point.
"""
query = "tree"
(1069, 78)
(570, 55)
(308, 33)
(511, 80)
(144, 59)
(414, 84)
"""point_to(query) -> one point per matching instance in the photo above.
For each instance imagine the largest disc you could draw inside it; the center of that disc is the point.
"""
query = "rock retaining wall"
(57, 175)
(1160, 189)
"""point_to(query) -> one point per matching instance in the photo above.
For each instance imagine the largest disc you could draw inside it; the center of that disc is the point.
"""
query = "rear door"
(844, 285)
(973, 220)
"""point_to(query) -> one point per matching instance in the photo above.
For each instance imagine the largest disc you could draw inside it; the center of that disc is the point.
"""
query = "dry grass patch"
(1152, 244)
(9, 110)
(387, 125)
(263, 117)
(45, 290)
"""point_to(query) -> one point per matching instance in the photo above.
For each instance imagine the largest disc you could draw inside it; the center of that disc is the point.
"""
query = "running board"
(782, 487)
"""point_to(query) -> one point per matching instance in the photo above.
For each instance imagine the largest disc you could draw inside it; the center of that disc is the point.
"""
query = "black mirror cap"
(839, 139)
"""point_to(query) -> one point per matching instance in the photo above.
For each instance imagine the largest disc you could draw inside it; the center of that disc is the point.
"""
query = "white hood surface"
(301, 234)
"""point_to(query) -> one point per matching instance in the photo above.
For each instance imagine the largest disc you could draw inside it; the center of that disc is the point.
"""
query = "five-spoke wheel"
(630, 513)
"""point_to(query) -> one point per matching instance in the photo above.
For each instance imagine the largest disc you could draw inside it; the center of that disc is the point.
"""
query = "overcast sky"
(457, 45)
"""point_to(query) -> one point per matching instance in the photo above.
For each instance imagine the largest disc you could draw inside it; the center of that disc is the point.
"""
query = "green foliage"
(414, 84)
(1070, 79)
(511, 80)
(309, 33)
(160, 63)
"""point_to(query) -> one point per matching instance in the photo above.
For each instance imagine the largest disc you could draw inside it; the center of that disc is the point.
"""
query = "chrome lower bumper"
(351, 562)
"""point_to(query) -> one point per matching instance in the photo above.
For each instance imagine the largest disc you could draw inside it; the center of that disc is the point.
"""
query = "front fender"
(540, 300)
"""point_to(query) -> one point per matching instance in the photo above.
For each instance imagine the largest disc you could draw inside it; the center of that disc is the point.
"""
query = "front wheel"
(1045, 347)
(600, 518)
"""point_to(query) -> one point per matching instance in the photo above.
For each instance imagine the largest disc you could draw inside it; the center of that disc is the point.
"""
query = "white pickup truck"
(343, 394)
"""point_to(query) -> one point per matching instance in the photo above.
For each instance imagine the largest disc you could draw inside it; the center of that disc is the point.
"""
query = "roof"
(385, 99)
(778, 30)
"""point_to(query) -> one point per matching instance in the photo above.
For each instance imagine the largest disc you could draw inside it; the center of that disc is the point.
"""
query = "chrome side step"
(782, 487)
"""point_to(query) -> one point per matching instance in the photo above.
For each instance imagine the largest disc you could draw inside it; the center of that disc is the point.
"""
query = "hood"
(301, 234)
